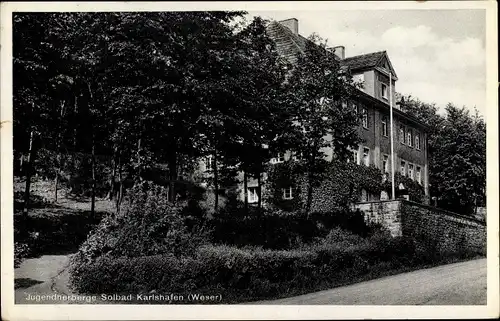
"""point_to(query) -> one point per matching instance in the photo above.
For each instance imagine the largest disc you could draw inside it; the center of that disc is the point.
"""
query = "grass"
(55, 227)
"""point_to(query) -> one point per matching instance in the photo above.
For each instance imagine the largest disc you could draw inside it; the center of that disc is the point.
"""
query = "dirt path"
(36, 276)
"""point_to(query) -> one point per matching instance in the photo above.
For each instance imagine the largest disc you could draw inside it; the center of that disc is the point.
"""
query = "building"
(374, 71)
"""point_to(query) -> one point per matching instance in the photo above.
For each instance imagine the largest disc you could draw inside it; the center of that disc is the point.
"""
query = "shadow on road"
(23, 283)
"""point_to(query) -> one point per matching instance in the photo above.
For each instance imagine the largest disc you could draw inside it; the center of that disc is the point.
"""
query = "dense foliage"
(457, 154)
(341, 186)
(317, 88)
(149, 225)
(277, 229)
(248, 274)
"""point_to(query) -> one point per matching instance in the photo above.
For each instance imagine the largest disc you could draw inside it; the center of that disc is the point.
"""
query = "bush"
(340, 237)
(267, 228)
(150, 225)
(252, 273)
(243, 273)
(21, 251)
(278, 229)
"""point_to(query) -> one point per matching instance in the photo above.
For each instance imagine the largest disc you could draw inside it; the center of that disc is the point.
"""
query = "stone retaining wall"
(386, 213)
(445, 231)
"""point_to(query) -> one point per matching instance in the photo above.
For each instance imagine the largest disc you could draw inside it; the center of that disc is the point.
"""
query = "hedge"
(246, 274)
(276, 229)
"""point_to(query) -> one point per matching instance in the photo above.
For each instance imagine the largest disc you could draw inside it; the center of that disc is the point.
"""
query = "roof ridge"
(289, 33)
(367, 54)
(381, 57)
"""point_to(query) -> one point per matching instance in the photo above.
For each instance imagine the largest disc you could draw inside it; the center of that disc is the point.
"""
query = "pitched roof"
(369, 60)
(288, 44)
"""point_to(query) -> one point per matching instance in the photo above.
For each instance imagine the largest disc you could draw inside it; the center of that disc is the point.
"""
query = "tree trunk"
(120, 192)
(92, 202)
(75, 115)
(309, 193)
(245, 191)
(111, 192)
(28, 170)
(216, 182)
(172, 176)
(310, 180)
(91, 104)
(21, 160)
(259, 193)
(139, 165)
(55, 186)
(58, 147)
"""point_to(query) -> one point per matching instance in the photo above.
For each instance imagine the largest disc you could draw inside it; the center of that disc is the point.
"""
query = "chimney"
(292, 24)
(339, 51)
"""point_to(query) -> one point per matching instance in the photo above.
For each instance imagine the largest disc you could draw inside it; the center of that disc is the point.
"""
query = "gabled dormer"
(373, 71)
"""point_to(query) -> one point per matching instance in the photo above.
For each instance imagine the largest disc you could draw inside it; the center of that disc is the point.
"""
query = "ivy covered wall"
(342, 185)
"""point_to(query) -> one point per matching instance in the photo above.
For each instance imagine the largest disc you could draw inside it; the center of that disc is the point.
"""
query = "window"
(365, 118)
(410, 171)
(384, 125)
(355, 108)
(385, 164)
(359, 79)
(353, 157)
(419, 175)
(402, 134)
(209, 164)
(287, 193)
(366, 156)
(280, 158)
(253, 197)
(417, 141)
(384, 91)
(409, 138)
(403, 168)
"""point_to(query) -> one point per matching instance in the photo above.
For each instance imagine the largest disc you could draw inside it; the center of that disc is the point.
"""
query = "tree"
(36, 60)
(457, 154)
(460, 160)
(263, 117)
(317, 87)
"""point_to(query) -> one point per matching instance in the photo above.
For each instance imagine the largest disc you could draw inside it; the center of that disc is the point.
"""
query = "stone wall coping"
(429, 207)
(377, 202)
(461, 216)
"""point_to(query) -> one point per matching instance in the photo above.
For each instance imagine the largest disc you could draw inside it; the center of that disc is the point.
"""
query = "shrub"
(238, 273)
(21, 251)
(251, 273)
(341, 237)
(109, 274)
(150, 225)
(279, 229)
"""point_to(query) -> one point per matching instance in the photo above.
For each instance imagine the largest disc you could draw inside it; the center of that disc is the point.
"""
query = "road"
(453, 284)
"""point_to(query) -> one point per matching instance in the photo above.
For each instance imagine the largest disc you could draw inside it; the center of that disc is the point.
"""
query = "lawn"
(55, 228)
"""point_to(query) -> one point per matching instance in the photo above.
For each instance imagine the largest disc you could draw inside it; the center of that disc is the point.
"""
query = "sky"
(439, 55)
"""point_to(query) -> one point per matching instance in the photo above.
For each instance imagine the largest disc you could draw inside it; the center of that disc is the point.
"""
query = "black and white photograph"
(260, 156)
